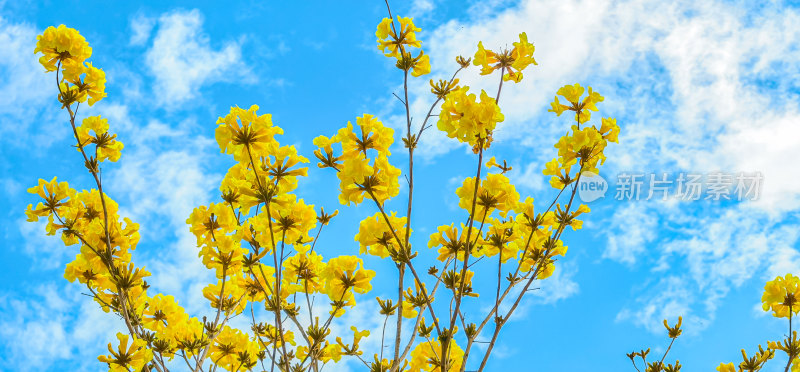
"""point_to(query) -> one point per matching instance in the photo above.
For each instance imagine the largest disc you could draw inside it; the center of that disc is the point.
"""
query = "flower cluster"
(94, 130)
(467, 120)
(378, 238)
(397, 44)
(512, 62)
(781, 296)
(582, 108)
(363, 166)
(65, 50)
(90, 218)
(583, 146)
(257, 239)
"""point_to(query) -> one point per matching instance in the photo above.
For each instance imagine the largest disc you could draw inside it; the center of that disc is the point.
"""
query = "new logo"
(591, 187)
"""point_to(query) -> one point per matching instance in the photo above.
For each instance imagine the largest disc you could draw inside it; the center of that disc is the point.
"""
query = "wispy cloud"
(25, 89)
(141, 27)
(182, 59)
(53, 327)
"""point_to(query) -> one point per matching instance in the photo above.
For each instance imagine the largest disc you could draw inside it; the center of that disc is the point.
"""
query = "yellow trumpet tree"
(259, 239)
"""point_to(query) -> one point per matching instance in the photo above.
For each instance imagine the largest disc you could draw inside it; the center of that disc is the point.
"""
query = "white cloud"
(141, 27)
(11, 187)
(26, 89)
(421, 8)
(23, 79)
(712, 253)
(183, 60)
(47, 252)
(633, 228)
(673, 299)
(531, 176)
(52, 326)
(557, 287)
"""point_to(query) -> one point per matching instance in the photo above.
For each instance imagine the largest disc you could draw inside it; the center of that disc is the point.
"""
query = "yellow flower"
(62, 44)
(409, 310)
(257, 229)
(325, 218)
(227, 345)
(279, 167)
(464, 118)
(501, 238)
(344, 273)
(557, 107)
(224, 255)
(586, 144)
(208, 222)
(326, 144)
(54, 194)
(560, 173)
(610, 129)
(443, 87)
(227, 300)
(161, 312)
(306, 269)
(390, 42)
(328, 353)
(376, 238)
(358, 178)
(729, 367)
(93, 84)
(796, 365)
(511, 61)
(385, 183)
(373, 136)
(260, 283)
(294, 220)
(234, 181)
(503, 168)
(127, 358)
(88, 270)
(352, 178)
(242, 129)
(190, 335)
(572, 220)
(532, 258)
(453, 281)
(421, 65)
(107, 145)
(128, 276)
(349, 349)
(397, 45)
(495, 192)
(275, 337)
(426, 357)
(486, 59)
(780, 294)
(582, 109)
(452, 242)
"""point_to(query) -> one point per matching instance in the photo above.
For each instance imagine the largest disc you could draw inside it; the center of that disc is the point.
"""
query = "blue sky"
(696, 88)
